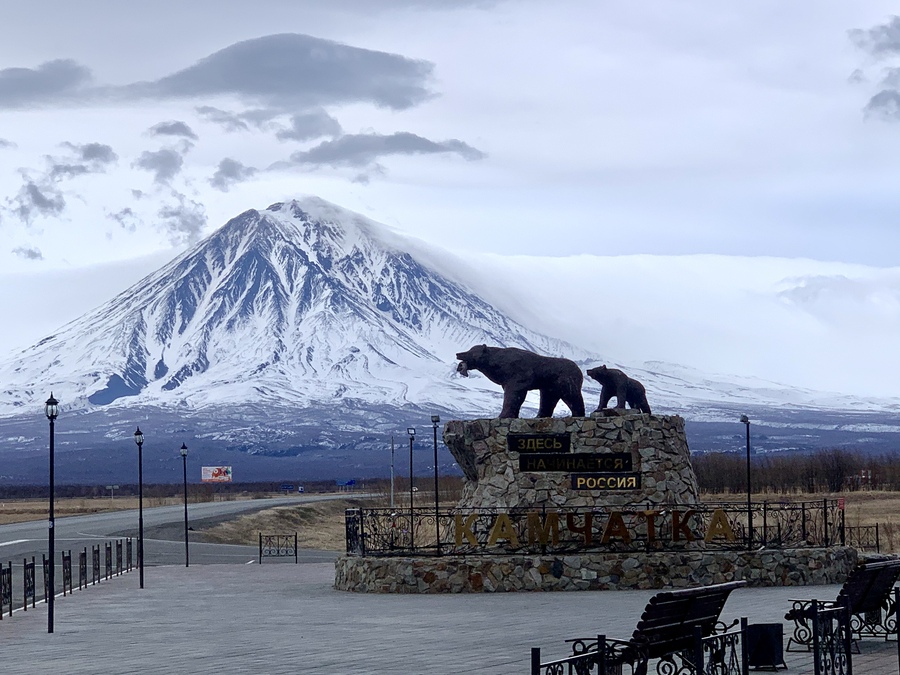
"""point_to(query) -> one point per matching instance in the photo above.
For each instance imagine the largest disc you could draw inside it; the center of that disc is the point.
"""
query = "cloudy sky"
(728, 169)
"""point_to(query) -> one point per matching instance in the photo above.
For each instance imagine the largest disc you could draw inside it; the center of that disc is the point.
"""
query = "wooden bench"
(868, 594)
(670, 628)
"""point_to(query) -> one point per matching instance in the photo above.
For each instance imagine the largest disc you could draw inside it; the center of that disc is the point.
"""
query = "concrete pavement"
(286, 618)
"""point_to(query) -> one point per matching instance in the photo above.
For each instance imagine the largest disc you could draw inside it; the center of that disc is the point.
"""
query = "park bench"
(867, 592)
(675, 627)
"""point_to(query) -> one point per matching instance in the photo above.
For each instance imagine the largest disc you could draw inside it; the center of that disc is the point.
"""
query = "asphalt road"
(163, 537)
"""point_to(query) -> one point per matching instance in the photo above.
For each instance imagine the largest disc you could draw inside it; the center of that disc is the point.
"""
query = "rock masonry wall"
(659, 453)
(657, 444)
(497, 574)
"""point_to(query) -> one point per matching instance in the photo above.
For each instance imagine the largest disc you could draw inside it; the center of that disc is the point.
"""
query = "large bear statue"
(519, 371)
(626, 390)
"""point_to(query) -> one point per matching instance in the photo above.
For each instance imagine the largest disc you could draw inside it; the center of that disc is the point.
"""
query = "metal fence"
(863, 537)
(278, 546)
(27, 584)
(626, 528)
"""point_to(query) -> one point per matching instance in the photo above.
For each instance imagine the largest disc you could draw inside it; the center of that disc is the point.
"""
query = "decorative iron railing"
(718, 654)
(108, 560)
(863, 537)
(67, 571)
(45, 567)
(28, 585)
(82, 569)
(627, 528)
(278, 546)
(95, 564)
(6, 599)
(832, 640)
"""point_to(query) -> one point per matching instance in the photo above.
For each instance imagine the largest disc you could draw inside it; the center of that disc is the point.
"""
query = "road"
(163, 537)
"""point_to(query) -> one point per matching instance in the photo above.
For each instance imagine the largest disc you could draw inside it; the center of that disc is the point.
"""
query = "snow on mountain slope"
(300, 302)
(305, 303)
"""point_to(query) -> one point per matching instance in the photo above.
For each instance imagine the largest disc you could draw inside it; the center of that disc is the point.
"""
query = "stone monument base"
(593, 571)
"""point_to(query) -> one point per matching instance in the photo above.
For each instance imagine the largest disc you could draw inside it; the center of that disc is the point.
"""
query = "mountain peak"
(302, 301)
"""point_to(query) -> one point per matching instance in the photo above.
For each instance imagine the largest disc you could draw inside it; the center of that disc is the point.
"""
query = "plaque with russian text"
(556, 443)
(578, 462)
(606, 481)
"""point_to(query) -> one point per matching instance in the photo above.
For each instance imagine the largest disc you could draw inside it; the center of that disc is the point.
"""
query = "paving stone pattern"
(288, 619)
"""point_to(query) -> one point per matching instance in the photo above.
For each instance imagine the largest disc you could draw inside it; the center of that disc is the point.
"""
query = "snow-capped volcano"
(300, 302)
(296, 340)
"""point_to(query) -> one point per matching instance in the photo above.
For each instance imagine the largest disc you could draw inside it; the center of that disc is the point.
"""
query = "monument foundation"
(608, 501)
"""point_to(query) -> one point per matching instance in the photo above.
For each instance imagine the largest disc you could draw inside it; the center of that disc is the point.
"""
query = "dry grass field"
(320, 525)
(21, 510)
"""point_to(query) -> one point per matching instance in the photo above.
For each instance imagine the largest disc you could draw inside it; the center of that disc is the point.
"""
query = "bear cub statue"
(625, 389)
(518, 371)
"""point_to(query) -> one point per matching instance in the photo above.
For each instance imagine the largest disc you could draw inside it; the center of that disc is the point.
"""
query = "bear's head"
(598, 373)
(472, 358)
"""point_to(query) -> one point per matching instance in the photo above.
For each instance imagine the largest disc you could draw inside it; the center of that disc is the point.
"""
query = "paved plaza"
(286, 618)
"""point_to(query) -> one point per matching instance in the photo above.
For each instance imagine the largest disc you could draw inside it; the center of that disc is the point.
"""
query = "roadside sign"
(215, 474)
(287, 487)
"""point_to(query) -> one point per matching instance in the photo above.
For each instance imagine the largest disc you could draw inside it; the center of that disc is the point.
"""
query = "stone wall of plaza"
(476, 574)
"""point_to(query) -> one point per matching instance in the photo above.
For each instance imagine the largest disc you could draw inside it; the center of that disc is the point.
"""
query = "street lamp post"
(392, 472)
(184, 466)
(412, 434)
(746, 421)
(139, 439)
(435, 420)
(51, 409)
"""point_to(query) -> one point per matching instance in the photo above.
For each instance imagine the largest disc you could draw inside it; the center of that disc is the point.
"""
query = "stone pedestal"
(656, 443)
(502, 534)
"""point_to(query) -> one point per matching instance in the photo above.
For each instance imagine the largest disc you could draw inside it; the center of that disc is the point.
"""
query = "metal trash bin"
(765, 645)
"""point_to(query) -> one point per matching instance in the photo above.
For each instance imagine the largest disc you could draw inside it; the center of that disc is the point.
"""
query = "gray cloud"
(44, 200)
(93, 158)
(7, 144)
(297, 70)
(173, 128)
(360, 150)
(227, 120)
(94, 152)
(58, 171)
(309, 125)
(127, 219)
(28, 253)
(885, 104)
(283, 71)
(882, 40)
(57, 81)
(230, 171)
(183, 222)
(165, 164)
(41, 195)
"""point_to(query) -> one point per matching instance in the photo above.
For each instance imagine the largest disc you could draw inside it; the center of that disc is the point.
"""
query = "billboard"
(215, 474)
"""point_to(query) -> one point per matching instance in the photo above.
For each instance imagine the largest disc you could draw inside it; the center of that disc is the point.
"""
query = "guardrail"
(28, 578)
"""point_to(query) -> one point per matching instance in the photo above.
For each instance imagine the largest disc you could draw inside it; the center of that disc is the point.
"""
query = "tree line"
(830, 470)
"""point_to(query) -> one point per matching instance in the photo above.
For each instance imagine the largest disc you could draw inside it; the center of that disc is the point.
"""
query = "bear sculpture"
(625, 389)
(518, 371)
